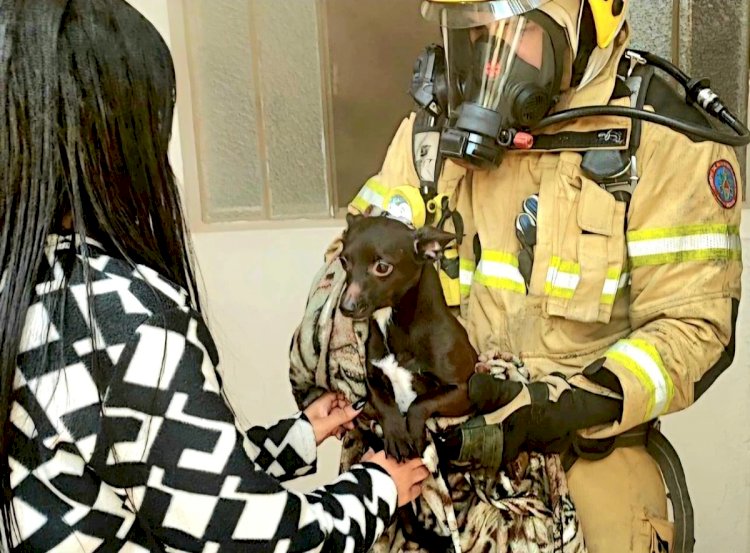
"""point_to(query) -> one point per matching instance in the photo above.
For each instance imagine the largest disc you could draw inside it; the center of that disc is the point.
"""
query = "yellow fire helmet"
(609, 15)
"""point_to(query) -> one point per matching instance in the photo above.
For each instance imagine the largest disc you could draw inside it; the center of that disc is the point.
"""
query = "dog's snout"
(351, 301)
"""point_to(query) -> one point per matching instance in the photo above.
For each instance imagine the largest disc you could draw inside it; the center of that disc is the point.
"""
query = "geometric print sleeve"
(170, 442)
(142, 453)
(286, 450)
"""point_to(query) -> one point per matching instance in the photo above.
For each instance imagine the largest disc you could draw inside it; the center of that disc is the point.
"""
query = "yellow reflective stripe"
(562, 278)
(500, 283)
(687, 230)
(719, 254)
(466, 275)
(372, 193)
(615, 282)
(714, 242)
(643, 360)
(360, 204)
(499, 270)
(565, 266)
(500, 257)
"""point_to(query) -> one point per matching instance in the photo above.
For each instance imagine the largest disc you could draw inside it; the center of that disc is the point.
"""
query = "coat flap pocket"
(596, 209)
(592, 259)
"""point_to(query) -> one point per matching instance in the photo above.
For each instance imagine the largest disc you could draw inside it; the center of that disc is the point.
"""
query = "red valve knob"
(523, 141)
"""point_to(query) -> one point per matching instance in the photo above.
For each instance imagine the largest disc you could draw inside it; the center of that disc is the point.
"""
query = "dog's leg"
(447, 401)
(396, 439)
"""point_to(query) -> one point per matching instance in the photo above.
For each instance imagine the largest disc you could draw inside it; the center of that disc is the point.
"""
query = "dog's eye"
(344, 263)
(382, 269)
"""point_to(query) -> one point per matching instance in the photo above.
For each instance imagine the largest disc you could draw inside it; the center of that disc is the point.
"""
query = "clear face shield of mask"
(503, 74)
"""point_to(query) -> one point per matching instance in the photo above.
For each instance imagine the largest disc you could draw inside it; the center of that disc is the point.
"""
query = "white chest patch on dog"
(401, 379)
(383, 317)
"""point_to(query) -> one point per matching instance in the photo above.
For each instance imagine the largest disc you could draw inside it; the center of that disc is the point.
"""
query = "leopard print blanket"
(526, 508)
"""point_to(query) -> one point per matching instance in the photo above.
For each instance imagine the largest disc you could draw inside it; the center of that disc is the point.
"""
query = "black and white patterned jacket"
(135, 422)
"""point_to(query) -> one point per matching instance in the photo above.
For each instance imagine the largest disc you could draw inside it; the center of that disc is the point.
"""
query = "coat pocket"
(585, 277)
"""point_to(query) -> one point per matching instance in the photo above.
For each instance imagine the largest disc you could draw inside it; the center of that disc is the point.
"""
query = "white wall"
(256, 283)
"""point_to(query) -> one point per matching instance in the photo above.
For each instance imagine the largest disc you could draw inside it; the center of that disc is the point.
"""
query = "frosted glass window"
(225, 110)
(258, 108)
(295, 101)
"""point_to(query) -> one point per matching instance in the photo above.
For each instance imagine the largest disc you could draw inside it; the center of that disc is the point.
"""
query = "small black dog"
(419, 358)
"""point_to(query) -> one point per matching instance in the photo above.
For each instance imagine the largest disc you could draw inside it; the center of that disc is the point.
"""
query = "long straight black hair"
(87, 94)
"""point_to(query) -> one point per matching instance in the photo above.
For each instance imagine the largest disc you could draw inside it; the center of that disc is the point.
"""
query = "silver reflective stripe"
(677, 244)
(466, 274)
(371, 194)
(614, 283)
(499, 270)
(706, 242)
(562, 278)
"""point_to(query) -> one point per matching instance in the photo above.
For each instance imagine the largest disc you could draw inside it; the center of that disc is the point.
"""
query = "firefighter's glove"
(548, 424)
(539, 417)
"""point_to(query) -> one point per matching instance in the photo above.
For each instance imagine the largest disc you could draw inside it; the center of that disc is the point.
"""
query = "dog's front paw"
(397, 441)
(417, 431)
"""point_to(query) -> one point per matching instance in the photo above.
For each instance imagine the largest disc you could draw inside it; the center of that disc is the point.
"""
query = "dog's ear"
(430, 242)
(351, 218)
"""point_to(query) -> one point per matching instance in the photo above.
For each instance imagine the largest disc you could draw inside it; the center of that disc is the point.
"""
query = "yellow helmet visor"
(463, 15)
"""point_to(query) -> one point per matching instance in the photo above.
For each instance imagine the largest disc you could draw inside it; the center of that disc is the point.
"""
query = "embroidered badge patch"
(723, 183)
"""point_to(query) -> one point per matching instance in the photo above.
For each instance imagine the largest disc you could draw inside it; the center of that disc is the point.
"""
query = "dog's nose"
(351, 301)
(348, 306)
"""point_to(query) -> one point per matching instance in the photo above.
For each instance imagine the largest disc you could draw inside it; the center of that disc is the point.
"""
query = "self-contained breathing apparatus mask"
(501, 76)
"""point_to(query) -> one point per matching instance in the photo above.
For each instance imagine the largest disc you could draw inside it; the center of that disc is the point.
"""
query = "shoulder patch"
(723, 183)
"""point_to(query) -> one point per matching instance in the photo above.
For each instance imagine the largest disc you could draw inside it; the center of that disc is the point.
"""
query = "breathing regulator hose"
(698, 91)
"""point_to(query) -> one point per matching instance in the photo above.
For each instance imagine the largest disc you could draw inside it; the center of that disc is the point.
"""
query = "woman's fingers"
(415, 491)
(321, 406)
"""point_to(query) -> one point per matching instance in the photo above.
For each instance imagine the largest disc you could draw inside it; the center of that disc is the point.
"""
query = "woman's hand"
(331, 415)
(408, 476)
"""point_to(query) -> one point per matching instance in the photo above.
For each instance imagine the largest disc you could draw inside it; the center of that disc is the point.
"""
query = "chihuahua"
(419, 358)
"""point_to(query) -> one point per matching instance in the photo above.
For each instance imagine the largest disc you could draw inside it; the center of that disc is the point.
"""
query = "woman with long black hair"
(115, 433)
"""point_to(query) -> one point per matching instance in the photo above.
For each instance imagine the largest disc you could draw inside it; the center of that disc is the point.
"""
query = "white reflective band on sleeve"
(680, 244)
(371, 194)
(683, 244)
(500, 270)
(466, 277)
(643, 360)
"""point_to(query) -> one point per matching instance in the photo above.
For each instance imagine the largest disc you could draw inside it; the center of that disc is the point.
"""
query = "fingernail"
(359, 404)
